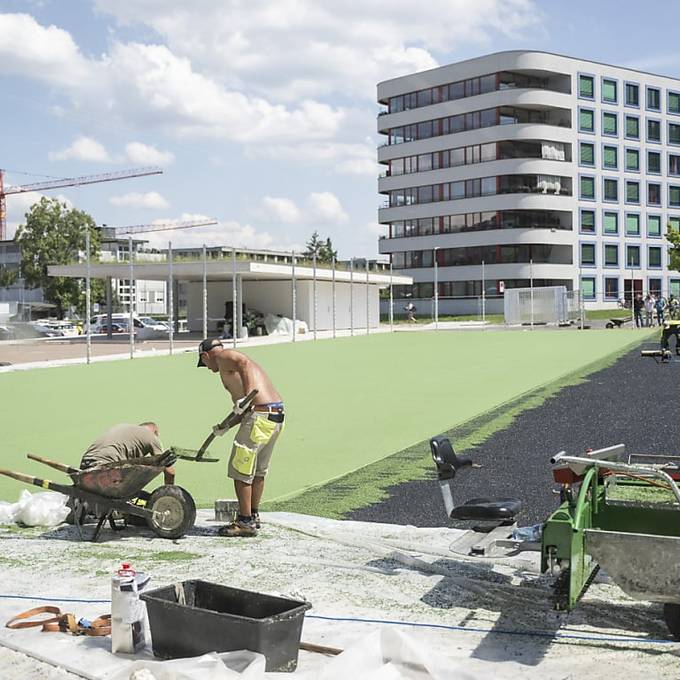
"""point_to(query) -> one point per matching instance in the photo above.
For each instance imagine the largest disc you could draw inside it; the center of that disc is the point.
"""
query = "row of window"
(472, 288)
(610, 191)
(609, 159)
(516, 253)
(610, 256)
(611, 289)
(609, 94)
(610, 126)
(479, 221)
(480, 186)
(479, 153)
(610, 223)
(474, 120)
(470, 87)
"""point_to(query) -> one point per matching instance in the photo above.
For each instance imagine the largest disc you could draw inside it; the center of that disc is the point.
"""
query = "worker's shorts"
(253, 445)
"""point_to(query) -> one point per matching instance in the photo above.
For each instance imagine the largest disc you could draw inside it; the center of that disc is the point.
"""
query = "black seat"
(449, 464)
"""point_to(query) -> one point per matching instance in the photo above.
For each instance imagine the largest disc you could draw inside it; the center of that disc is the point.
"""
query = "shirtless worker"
(259, 430)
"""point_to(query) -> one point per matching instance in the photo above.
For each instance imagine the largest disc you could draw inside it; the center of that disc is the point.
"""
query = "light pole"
(436, 290)
(88, 293)
(483, 293)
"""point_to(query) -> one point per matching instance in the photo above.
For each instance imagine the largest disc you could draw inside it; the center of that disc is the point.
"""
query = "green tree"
(8, 275)
(55, 234)
(323, 249)
(673, 237)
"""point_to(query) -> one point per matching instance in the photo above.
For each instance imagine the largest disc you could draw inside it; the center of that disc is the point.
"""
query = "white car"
(146, 328)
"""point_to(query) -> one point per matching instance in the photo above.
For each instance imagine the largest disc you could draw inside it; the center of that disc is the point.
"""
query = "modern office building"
(545, 168)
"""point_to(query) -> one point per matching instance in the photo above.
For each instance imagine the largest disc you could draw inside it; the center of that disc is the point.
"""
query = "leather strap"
(61, 623)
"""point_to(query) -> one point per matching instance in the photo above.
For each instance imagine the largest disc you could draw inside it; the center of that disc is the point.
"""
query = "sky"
(262, 113)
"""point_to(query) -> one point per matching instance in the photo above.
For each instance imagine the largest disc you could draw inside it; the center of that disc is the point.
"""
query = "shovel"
(231, 420)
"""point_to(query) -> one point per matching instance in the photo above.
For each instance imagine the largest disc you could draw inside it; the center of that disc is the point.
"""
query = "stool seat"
(487, 509)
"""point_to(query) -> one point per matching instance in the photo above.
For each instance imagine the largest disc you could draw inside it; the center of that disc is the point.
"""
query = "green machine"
(622, 514)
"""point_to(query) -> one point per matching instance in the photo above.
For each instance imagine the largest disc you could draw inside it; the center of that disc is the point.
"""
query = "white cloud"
(144, 154)
(151, 200)
(278, 210)
(82, 149)
(326, 207)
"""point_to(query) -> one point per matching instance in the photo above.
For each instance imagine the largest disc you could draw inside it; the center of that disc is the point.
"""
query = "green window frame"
(588, 221)
(610, 223)
(654, 162)
(674, 195)
(633, 127)
(588, 254)
(587, 187)
(588, 287)
(674, 102)
(632, 256)
(586, 120)
(632, 224)
(586, 87)
(610, 157)
(632, 191)
(653, 130)
(587, 154)
(673, 133)
(611, 255)
(609, 124)
(654, 257)
(654, 225)
(633, 160)
(610, 190)
(609, 90)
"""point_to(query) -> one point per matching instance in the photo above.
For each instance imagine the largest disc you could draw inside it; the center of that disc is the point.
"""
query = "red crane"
(64, 182)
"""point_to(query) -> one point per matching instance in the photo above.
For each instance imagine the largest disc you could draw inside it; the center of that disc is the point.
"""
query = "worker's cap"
(205, 346)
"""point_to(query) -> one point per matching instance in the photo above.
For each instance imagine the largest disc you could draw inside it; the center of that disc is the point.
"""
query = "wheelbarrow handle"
(53, 464)
(37, 481)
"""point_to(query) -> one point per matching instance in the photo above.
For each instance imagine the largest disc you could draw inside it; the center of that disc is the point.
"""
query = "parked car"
(146, 328)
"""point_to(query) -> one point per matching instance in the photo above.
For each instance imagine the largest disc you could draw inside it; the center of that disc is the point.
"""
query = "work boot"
(241, 526)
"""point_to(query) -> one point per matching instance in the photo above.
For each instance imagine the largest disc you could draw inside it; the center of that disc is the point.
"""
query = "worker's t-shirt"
(121, 442)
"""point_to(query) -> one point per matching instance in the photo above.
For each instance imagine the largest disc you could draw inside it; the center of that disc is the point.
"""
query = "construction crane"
(63, 182)
(163, 226)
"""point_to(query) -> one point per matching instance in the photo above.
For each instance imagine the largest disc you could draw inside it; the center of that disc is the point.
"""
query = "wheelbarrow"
(618, 323)
(115, 488)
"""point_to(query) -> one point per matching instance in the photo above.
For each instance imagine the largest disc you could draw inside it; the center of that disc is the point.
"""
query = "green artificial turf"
(350, 402)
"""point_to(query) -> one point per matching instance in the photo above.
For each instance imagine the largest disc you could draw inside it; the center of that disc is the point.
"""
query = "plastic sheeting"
(44, 509)
(281, 325)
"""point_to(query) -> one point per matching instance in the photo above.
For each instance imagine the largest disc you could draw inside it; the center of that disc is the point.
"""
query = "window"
(611, 189)
(586, 120)
(673, 195)
(673, 164)
(609, 157)
(588, 287)
(587, 187)
(588, 254)
(588, 221)
(654, 162)
(611, 255)
(587, 153)
(610, 223)
(654, 225)
(632, 256)
(586, 87)
(653, 193)
(674, 223)
(609, 124)
(632, 127)
(632, 159)
(632, 192)
(674, 102)
(653, 131)
(673, 133)
(675, 287)
(653, 99)
(654, 257)
(611, 288)
(632, 95)
(608, 90)
(632, 224)
(655, 287)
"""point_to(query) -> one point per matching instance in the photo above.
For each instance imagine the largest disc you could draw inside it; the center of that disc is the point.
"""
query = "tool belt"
(61, 623)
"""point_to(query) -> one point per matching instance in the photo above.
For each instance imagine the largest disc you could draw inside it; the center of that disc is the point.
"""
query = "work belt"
(58, 622)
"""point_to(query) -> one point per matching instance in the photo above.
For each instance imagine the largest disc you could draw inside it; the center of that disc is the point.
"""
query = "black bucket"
(218, 618)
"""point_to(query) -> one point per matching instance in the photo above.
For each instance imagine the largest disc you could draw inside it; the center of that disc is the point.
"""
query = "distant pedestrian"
(638, 306)
(673, 306)
(410, 310)
(649, 310)
(660, 306)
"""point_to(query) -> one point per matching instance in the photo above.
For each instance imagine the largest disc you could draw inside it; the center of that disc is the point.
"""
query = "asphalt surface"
(633, 402)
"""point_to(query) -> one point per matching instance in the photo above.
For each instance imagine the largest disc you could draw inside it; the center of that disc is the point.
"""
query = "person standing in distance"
(260, 427)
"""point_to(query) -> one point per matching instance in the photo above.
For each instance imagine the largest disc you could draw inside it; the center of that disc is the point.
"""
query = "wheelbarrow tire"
(671, 614)
(179, 509)
(609, 324)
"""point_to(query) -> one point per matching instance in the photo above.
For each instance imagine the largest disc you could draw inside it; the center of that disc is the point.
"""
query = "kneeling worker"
(126, 442)
(260, 427)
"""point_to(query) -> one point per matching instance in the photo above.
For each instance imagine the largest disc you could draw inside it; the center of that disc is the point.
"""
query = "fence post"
(205, 292)
(171, 299)
(294, 300)
(333, 294)
(130, 298)
(233, 297)
(88, 293)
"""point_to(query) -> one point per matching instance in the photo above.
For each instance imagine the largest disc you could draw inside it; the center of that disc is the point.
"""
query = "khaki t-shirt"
(122, 442)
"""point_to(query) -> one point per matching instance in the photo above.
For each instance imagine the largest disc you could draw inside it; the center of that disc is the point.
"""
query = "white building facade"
(522, 167)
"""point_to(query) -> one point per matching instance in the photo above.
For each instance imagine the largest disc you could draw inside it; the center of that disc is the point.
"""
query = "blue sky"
(261, 113)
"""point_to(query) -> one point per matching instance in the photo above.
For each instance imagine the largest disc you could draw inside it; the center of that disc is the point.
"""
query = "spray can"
(128, 612)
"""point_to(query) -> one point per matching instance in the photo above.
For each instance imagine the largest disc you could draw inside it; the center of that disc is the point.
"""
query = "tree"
(324, 250)
(8, 275)
(55, 234)
(673, 237)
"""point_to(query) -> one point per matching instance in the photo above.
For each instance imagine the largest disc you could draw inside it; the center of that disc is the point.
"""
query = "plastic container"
(216, 618)
(128, 618)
